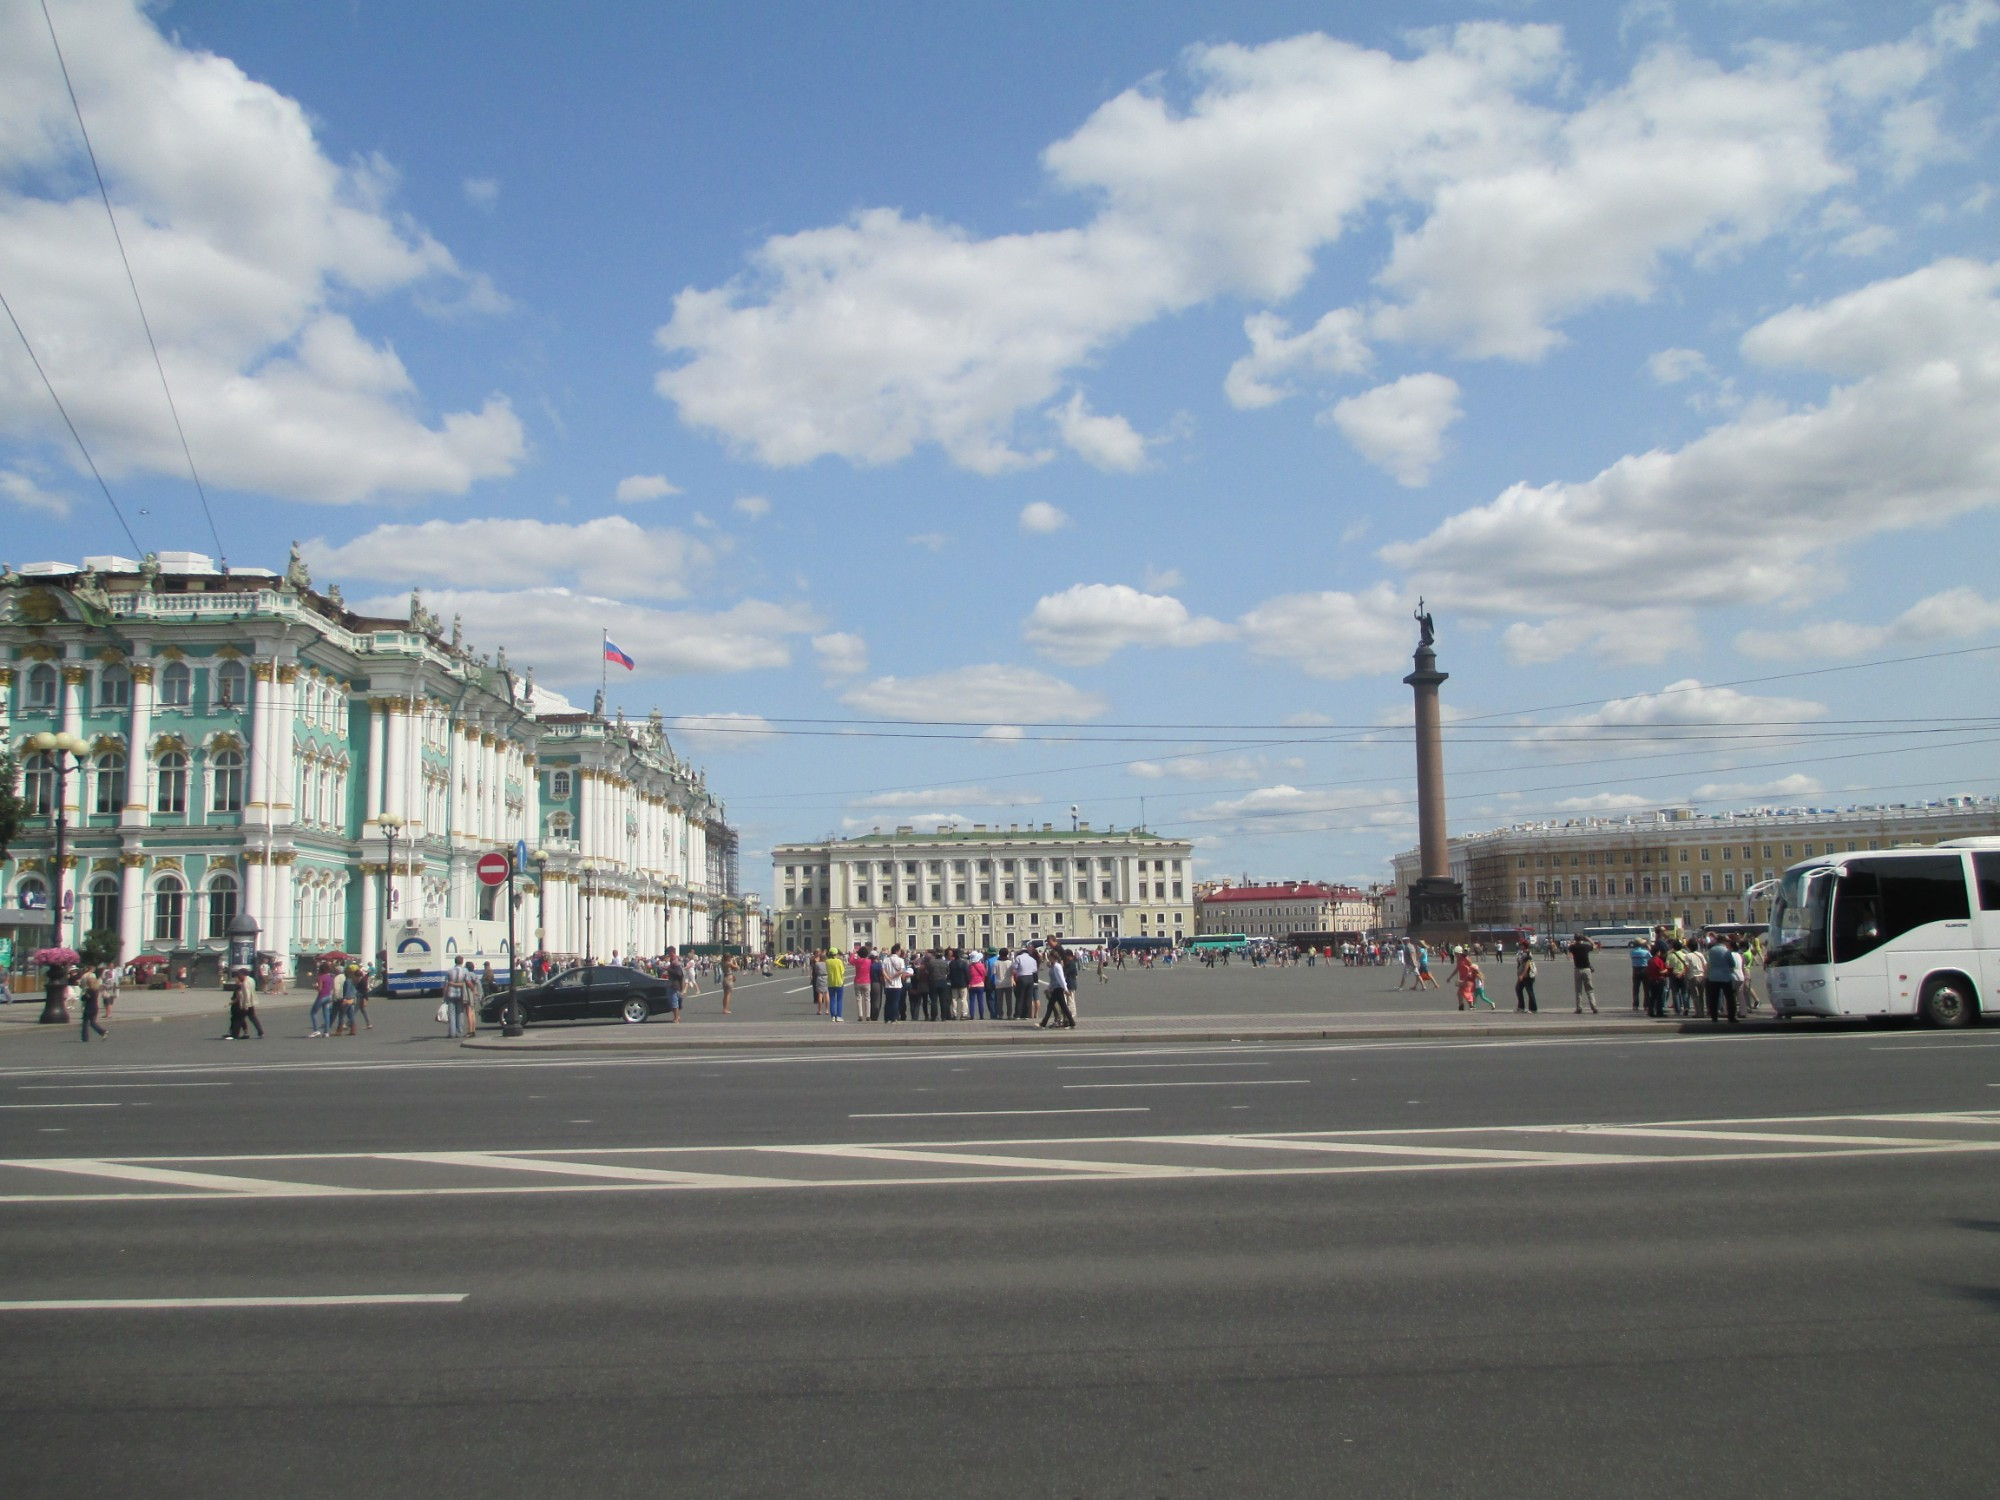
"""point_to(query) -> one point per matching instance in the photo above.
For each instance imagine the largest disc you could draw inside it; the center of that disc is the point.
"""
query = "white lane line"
(1388, 1148)
(148, 1304)
(166, 1177)
(966, 1114)
(79, 1104)
(494, 1161)
(52, 1088)
(1938, 1047)
(1117, 1067)
(984, 1159)
(1195, 1083)
(1798, 1138)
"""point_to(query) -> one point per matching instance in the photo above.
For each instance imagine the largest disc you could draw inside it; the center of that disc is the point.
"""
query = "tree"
(12, 804)
(100, 946)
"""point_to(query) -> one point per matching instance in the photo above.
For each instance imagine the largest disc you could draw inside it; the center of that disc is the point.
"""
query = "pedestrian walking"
(319, 1019)
(90, 997)
(1001, 978)
(836, 983)
(249, 984)
(958, 979)
(361, 982)
(676, 978)
(1059, 992)
(1524, 979)
(816, 971)
(1025, 969)
(454, 999)
(107, 989)
(1720, 977)
(1656, 984)
(1409, 965)
(1580, 973)
(1426, 980)
(729, 967)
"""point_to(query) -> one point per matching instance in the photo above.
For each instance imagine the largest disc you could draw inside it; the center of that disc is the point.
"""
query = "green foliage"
(12, 804)
(100, 946)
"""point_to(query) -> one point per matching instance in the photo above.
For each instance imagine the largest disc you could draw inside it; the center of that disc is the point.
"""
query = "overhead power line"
(133, 281)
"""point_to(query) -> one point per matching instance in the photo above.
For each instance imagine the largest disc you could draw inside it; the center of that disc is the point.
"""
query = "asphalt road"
(1652, 1265)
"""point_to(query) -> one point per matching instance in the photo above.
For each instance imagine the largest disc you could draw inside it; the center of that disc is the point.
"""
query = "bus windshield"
(1798, 918)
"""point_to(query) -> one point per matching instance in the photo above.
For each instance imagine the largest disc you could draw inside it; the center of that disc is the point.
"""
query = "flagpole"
(604, 667)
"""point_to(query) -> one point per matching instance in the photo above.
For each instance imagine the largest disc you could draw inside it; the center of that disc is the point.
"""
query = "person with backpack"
(1524, 979)
(454, 999)
(676, 978)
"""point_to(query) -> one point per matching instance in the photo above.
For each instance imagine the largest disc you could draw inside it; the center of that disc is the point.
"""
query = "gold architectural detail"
(288, 673)
(76, 676)
(253, 856)
(261, 671)
(111, 656)
(284, 856)
(173, 653)
(370, 868)
(132, 861)
(142, 672)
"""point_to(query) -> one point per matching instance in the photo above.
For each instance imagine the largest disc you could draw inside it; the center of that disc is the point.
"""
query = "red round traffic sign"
(493, 868)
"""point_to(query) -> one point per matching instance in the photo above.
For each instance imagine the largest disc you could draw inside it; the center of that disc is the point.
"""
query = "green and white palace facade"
(254, 745)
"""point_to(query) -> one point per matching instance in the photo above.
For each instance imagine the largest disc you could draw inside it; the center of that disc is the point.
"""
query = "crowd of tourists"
(1670, 974)
(951, 984)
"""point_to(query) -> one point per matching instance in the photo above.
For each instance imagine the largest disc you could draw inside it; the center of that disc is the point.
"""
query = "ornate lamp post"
(589, 888)
(61, 748)
(541, 859)
(392, 826)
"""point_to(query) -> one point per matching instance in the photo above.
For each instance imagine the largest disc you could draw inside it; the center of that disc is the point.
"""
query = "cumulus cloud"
(1333, 634)
(756, 507)
(991, 694)
(1910, 440)
(1198, 768)
(1107, 443)
(252, 248)
(636, 488)
(1604, 802)
(1039, 518)
(725, 731)
(870, 338)
(1671, 366)
(1332, 346)
(1285, 808)
(482, 192)
(1954, 614)
(1684, 710)
(610, 555)
(1090, 622)
(1798, 784)
(920, 799)
(557, 631)
(841, 654)
(1400, 427)
(17, 488)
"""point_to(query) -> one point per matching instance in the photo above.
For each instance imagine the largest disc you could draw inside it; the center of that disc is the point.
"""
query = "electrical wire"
(81, 446)
(144, 322)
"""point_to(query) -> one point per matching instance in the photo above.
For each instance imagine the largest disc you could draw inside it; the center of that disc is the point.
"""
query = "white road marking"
(505, 1162)
(28, 1088)
(1117, 1067)
(148, 1304)
(169, 1177)
(1195, 1083)
(967, 1114)
(992, 1159)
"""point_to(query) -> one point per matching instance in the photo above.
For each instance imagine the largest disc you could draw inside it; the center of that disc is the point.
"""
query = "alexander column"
(1437, 902)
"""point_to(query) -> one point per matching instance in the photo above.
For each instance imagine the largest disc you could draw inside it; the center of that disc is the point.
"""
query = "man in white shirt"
(895, 973)
(1025, 969)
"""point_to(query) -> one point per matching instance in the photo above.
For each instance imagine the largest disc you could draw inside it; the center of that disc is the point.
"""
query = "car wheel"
(1947, 1002)
(636, 1011)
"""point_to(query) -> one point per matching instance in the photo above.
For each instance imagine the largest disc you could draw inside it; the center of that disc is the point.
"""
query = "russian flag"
(612, 653)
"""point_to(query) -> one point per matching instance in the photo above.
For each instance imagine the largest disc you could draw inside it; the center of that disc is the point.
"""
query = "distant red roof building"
(1283, 910)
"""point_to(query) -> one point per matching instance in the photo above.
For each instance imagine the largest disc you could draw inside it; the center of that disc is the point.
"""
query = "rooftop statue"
(1427, 631)
(149, 573)
(297, 575)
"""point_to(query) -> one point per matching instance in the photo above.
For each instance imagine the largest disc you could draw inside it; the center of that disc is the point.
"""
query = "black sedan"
(592, 990)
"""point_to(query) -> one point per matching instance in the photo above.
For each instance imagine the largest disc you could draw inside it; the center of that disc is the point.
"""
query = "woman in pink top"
(976, 981)
(861, 969)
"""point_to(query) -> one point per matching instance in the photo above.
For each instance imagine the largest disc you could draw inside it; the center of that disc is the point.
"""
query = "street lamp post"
(541, 859)
(392, 826)
(60, 748)
(589, 888)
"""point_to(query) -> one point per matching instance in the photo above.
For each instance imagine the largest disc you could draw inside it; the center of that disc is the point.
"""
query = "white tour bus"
(1894, 933)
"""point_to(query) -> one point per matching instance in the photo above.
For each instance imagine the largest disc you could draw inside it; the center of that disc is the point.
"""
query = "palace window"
(176, 685)
(222, 896)
(110, 784)
(232, 685)
(104, 904)
(169, 910)
(42, 682)
(225, 769)
(38, 784)
(560, 789)
(114, 688)
(170, 794)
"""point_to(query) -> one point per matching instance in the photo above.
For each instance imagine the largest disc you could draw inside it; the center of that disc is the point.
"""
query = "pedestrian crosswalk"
(916, 1164)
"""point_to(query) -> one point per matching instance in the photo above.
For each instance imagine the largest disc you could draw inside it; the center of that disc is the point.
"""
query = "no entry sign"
(493, 868)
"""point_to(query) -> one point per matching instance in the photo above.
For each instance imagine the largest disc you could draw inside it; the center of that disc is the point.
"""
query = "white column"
(136, 749)
(131, 905)
(258, 793)
(280, 921)
(395, 751)
(378, 756)
(281, 726)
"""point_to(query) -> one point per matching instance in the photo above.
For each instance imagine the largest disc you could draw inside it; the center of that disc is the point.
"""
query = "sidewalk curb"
(868, 1035)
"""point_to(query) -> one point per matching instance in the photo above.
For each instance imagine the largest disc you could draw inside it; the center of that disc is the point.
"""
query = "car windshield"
(1798, 919)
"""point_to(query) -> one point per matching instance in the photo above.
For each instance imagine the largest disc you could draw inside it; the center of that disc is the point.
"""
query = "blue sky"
(976, 411)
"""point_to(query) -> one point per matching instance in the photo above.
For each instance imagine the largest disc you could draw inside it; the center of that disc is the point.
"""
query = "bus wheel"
(1947, 1002)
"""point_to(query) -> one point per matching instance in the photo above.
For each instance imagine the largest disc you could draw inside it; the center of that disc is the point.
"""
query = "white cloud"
(1039, 518)
(1684, 710)
(1954, 614)
(841, 654)
(1091, 622)
(1333, 634)
(18, 489)
(1332, 346)
(251, 248)
(1912, 440)
(725, 731)
(1604, 802)
(481, 192)
(1400, 426)
(756, 507)
(1198, 768)
(1159, 580)
(870, 338)
(1671, 366)
(610, 555)
(930, 541)
(1285, 808)
(557, 630)
(636, 488)
(1004, 734)
(992, 694)
(1107, 443)
(929, 798)
(1798, 784)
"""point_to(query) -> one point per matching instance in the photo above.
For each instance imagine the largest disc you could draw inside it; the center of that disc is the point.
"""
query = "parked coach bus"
(1896, 933)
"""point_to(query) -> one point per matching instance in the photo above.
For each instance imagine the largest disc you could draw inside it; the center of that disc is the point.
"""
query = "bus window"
(1987, 867)
(1883, 899)
(1798, 920)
